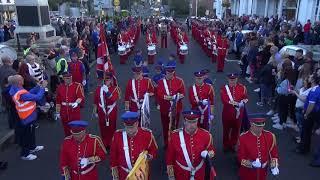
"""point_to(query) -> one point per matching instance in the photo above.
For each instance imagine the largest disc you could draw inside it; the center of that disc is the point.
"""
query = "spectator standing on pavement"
(266, 79)
(306, 32)
(26, 103)
(1, 33)
(34, 68)
(29, 81)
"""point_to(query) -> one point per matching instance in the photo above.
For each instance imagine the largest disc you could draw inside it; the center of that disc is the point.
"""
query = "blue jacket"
(35, 94)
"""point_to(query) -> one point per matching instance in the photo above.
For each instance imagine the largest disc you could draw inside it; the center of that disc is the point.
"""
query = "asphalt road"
(50, 134)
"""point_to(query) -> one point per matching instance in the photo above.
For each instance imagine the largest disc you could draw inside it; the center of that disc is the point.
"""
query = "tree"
(54, 4)
(180, 7)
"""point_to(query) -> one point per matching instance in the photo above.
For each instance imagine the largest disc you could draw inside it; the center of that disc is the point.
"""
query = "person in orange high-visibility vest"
(26, 102)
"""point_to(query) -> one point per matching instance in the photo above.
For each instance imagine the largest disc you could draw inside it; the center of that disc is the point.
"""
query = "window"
(317, 11)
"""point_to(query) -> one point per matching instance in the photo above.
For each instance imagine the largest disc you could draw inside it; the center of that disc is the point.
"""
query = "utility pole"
(196, 8)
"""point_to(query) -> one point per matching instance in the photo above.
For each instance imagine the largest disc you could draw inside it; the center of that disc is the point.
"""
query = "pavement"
(50, 134)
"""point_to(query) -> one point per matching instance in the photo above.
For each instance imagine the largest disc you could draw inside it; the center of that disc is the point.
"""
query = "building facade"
(7, 10)
(301, 10)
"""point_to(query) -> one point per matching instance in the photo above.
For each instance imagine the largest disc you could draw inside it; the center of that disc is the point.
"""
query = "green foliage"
(201, 11)
(54, 4)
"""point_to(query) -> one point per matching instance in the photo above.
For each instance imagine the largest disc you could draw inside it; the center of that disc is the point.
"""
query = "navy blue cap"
(129, 117)
(191, 115)
(205, 71)
(170, 65)
(198, 74)
(233, 75)
(137, 69)
(77, 126)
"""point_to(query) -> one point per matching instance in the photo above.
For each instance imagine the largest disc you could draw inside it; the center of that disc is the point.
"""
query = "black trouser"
(27, 138)
(292, 107)
(307, 127)
(283, 108)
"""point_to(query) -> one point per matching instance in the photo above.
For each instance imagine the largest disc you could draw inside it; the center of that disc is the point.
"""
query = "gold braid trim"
(274, 162)
(81, 89)
(246, 163)
(94, 159)
(66, 173)
(126, 105)
(98, 139)
(115, 173)
(170, 171)
(211, 154)
(210, 141)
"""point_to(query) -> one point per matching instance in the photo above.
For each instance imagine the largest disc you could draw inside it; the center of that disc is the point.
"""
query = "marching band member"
(164, 34)
(257, 151)
(77, 68)
(170, 92)
(233, 96)
(206, 78)
(188, 149)
(105, 107)
(136, 89)
(68, 101)
(151, 39)
(81, 153)
(201, 97)
(122, 41)
(223, 47)
(128, 143)
(182, 40)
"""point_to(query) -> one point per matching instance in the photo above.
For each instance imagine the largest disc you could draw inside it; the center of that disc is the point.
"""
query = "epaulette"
(119, 130)
(146, 129)
(76, 83)
(268, 132)
(68, 137)
(204, 130)
(243, 133)
(176, 130)
(93, 136)
(179, 78)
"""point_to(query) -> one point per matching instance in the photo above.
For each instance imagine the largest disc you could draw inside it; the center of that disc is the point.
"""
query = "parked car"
(291, 50)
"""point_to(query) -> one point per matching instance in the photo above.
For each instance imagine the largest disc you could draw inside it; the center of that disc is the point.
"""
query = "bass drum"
(152, 50)
(184, 49)
(122, 50)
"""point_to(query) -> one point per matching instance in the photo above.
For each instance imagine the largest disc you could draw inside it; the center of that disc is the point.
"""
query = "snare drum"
(184, 49)
(152, 50)
(209, 45)
(121, 50)
(128, 48)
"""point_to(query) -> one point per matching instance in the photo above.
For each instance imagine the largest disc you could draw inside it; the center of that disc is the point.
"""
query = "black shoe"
(3, 165)
(313, 164)
(300, 151)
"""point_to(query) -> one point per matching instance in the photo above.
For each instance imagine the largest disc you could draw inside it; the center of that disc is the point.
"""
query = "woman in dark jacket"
(266, 79)
(29, 81)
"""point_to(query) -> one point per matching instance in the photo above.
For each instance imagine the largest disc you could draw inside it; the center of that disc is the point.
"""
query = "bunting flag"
(145, 112)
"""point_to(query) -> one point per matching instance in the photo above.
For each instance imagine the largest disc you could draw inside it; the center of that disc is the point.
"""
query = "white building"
(302, 10)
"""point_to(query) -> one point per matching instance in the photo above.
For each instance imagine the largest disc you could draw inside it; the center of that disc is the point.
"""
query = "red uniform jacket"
(223, 46)
(239, 92)
(142, 86)
(205, 91)
(201, 140)
(65, 96)
(122, 38)
(71, 153)
(175, 85)
(77, 70)
(143, 140)
(183, 38)
(252, 147)
(151, 38)
(107, 118)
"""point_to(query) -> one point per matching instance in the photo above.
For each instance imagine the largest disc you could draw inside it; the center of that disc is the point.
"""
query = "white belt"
(221, 48)
(85, 171)
(191, 170)
(138, 102)
(110, 107)
(202, 110)
(66, 104)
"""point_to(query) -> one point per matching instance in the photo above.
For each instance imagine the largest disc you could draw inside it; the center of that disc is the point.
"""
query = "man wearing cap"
(170, 92)
(188, 148)
(76, 68)
(128, 143)
(80, 153)
(151, 39)
(122, 41)
(69, 98)
(234, 97)
(105, 108)
(136, 89)
(205, 73)
(257, 152)
(182, 39)
(223, 47)
(201, 97)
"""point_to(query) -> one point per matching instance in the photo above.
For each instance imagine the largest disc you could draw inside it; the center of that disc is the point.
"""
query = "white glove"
(275, 171)
(57, 116)
(241, 104)
(84, 82)
(256, 163)
(74, 105)
(204, 154)
(96, 115)
(211, 117)
(205, 102)
(84, 162)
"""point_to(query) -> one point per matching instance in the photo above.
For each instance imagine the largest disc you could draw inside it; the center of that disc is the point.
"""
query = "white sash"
(103, 88)
(202, 110)
(126, 149)
(166, 86)
(134, 91)
(186, 155)
(110, 109)
(231, 99)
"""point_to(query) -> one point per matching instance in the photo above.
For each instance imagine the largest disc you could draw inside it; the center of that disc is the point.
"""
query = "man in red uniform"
(170, 92)
(164, 34)
(151, 39)
(77, 69)
(128, 143)
(233, 97)
(105, 105)
(188, 148)
(201, 97)
(136, 89)
(68, 101)
(80, 153)
(223, 47)
(182, 40)
(122, 41)
(257, 151)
